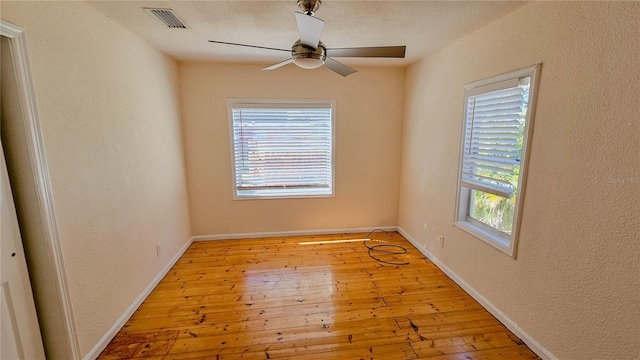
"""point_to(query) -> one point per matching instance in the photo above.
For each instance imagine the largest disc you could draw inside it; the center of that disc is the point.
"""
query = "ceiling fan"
(310, 53)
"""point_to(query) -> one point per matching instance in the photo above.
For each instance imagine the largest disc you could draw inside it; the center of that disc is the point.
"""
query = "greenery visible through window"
(494, 210)
(495, 135)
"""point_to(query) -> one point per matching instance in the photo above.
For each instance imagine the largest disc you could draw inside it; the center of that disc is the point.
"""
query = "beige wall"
(110, 118)
(109, 112)
(368, 137)
(575, 286)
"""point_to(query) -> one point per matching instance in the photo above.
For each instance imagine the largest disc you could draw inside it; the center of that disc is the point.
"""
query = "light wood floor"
(274, 298)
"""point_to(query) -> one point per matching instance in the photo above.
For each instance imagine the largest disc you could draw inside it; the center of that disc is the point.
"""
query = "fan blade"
(376, 51)
(275, 66)
(339, 67)
(245, 45)
(310, 29)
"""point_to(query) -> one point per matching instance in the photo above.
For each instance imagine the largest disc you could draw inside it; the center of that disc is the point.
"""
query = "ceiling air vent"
(168, 18)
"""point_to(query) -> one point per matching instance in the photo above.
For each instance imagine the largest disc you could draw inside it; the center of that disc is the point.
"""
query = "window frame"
(502, 241)
(280, 104)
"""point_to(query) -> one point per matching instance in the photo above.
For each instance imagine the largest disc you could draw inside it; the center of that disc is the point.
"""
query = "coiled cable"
(389, 249)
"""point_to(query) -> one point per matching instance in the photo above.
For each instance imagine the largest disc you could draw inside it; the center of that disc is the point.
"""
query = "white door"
(19, 324)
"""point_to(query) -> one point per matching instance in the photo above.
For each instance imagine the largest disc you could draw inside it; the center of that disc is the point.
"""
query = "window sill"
(280, 194)
(490, 238)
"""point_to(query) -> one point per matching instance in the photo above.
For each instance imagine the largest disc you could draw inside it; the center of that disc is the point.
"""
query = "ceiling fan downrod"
(309, 7)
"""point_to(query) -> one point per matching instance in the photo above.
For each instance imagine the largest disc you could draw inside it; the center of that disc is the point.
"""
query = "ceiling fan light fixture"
(308, 58)
(308, 62)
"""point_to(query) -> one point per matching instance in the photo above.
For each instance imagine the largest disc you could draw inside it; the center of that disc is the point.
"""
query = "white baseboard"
(502, 317)
(291, 233)
(535, 346)
(106, 338)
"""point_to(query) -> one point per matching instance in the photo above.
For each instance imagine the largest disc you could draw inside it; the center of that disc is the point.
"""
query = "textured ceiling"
(423, 26)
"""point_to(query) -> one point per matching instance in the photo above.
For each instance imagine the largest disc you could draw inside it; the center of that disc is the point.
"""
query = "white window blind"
(496, 132)
(493, 139)
(282, 149)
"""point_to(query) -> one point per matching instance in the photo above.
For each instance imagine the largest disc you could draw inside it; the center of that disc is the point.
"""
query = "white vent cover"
(168, 18)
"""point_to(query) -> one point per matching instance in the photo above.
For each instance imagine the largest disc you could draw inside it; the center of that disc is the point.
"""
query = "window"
(282, 148)
(495, 137)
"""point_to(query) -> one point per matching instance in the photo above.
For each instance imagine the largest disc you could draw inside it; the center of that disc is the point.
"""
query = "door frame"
(44, 194)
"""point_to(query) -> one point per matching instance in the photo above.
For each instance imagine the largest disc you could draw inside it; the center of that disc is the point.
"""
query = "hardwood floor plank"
(277, 299)
(459, 344)
(265, 310)
(513, 352)
(129, 346)
(390, 352)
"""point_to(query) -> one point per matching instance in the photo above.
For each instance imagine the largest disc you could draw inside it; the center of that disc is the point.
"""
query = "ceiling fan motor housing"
(309, 7)
(306, 57)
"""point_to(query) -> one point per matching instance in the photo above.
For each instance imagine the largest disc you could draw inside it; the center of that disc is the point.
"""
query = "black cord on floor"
(385, 249)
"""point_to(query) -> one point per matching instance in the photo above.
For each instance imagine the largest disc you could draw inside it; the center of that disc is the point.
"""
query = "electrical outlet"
(158, 250)
(441, 240)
